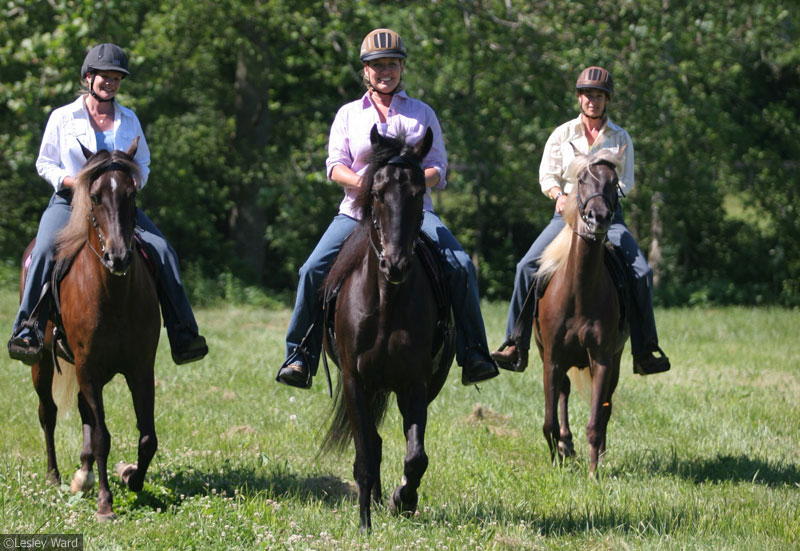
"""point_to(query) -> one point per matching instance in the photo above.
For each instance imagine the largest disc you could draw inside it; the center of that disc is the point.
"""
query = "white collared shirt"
(558, 153)
(60, 154)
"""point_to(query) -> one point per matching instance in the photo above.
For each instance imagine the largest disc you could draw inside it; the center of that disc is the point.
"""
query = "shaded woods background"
(236, 98)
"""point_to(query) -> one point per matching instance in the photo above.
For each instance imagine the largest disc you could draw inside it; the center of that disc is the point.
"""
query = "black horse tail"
(339, 432)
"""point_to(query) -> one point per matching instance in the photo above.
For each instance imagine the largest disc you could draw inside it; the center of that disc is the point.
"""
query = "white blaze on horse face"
(113, 184)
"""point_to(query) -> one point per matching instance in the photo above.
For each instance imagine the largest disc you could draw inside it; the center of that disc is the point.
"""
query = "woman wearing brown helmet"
(386, 105)
(97, 121)
(590, 131)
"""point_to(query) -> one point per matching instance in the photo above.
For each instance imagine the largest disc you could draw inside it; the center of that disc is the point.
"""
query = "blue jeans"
(642, 320)
(459, 272)
(175, 306)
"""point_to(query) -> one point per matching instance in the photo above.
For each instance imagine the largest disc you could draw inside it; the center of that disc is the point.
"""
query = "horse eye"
(95, 199)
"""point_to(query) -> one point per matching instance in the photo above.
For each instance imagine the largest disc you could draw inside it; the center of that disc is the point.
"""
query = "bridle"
(583, 203)
(402, 161)
(113, 166)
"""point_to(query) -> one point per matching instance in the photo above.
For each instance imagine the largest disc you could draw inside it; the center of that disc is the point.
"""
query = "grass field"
(704, 457)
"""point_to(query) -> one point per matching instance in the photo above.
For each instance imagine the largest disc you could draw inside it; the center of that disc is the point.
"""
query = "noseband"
(402, 161)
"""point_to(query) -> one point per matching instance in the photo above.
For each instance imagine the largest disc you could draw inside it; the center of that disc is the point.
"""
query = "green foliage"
(236, 99)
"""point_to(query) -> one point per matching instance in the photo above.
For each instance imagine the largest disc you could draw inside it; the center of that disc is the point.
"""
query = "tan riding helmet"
(382, 43)
(595, 77)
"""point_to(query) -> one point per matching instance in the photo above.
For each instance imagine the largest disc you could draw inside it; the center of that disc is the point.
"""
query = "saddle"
(443, 344)
(616, 267)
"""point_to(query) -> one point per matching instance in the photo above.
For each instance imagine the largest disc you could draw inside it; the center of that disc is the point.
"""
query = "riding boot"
(295, 370)
(27, 341)
(511, 357)
(186, 344)
(478, 367)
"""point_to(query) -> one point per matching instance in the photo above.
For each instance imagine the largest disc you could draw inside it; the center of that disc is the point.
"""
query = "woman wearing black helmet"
(96, 121)
(590, 131)
(386, 105)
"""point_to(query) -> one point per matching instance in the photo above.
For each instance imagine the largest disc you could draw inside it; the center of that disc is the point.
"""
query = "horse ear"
(131, 152)
(424, 145)
(574, 149)
(621, 151)
(86, 152)
(374, 135)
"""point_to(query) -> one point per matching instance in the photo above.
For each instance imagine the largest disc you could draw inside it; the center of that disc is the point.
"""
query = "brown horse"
(578, 321)
(110, 315)
(386, 324)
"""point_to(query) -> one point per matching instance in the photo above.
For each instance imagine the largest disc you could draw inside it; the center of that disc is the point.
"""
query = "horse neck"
(113, 286)
(585, 266)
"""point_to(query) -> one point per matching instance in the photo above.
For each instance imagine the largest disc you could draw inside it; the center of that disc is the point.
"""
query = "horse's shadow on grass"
(724, 468)
(171, 488)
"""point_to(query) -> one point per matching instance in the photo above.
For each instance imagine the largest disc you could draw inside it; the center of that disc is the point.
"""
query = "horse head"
(105, 197)
(397, 188)
(595, 190)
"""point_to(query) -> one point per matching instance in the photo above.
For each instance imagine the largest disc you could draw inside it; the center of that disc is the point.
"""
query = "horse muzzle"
(118, 264)
(395, 270)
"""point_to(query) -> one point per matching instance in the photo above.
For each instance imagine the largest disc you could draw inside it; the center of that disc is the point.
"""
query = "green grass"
(704, 457)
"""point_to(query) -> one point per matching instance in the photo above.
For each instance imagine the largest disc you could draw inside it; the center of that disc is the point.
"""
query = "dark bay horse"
(385, 324)
(111, 318)
(578, 323)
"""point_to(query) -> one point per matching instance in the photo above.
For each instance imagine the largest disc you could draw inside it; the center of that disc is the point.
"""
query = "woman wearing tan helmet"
(386, 105)
(590, 131)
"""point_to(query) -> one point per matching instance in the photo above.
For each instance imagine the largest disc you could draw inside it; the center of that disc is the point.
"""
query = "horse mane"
(73, 236)
(352, 251)
(555, 255)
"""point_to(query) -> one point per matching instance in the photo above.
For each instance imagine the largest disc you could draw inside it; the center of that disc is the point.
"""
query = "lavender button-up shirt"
(349, 143)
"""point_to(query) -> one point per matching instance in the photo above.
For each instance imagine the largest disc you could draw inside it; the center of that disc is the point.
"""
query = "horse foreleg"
(365, 471)
(143, 393)
(596, 426)
(551, 383)
(414, 409)
(607, 405)
(101, 444)
(42, 374)
(565, 446)
(83, 480)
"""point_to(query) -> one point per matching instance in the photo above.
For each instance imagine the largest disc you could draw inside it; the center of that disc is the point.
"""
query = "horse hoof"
(566, 449)
(124, 470)
(83, 481)
(398, 507)
(104, 517)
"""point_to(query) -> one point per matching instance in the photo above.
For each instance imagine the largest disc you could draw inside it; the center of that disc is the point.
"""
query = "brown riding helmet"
(595, 77)
(382, 43)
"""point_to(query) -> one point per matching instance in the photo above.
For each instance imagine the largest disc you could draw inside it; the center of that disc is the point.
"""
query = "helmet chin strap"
(94, 94)
(600, 116)
(393, 92)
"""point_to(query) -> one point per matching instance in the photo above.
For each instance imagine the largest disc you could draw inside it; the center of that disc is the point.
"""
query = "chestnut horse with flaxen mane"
(110, 314)
(578, 322)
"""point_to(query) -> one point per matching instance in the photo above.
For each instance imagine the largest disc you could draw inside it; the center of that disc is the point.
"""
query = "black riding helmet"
(104, 57)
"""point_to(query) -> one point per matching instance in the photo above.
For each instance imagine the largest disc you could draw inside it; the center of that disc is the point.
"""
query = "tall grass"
(706, 456)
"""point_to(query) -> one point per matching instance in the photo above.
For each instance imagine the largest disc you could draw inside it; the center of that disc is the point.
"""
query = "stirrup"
(28, 350)
(517, 366)
(292, 377)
